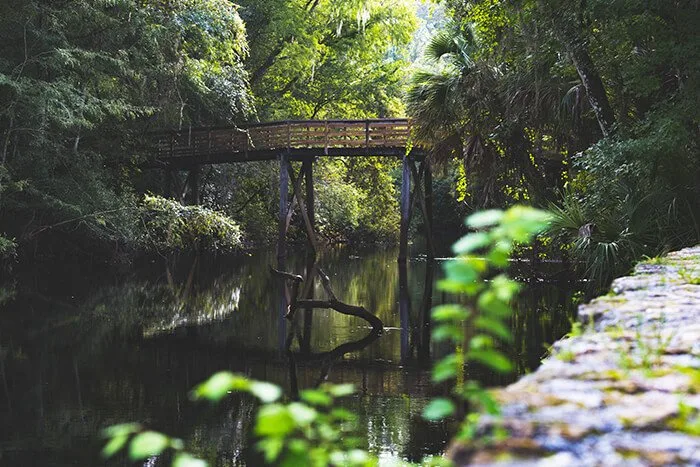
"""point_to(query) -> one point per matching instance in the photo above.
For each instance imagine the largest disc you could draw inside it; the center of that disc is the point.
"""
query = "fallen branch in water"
(287, 275)
(332, 303)
(344, 308)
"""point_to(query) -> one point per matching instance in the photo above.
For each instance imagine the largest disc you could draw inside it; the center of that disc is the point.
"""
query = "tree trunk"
(594, 87)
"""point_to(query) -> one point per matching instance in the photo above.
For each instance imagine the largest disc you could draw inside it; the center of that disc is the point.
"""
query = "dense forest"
(559, 145)
(588, 109)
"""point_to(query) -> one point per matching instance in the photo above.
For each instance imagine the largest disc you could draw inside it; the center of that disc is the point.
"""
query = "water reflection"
(131, 350)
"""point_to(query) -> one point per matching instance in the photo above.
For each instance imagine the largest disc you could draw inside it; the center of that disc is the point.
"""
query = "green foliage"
(310, 432)
(81, 81)
(142, 444)
(687, 420)
(8, 248)
(169, 226)
(357, 200)
(313, 431)
(480, 254)
(328, 59)
(600, 97)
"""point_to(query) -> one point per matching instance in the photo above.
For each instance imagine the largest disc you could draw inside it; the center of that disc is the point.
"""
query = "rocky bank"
(623, 389)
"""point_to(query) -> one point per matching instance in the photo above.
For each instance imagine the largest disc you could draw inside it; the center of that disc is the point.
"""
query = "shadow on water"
(72, 363)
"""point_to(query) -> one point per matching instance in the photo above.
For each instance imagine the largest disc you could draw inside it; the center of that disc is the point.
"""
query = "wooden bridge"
(305, 141)
(298, 139)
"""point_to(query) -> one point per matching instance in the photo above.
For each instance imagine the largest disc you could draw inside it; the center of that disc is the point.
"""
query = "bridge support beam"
(422, 193)
(304, 202)
(428, 181)
(307, 168)
(284, 194)
(405, 209)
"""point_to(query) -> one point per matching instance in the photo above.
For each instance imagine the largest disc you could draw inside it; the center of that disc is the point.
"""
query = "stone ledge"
(623, 392)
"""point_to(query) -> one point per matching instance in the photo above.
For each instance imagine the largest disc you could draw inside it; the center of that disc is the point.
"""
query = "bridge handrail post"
(289, 135)
(366, 134)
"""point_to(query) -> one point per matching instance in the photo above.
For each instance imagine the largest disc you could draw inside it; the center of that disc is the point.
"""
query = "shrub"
(169, 226)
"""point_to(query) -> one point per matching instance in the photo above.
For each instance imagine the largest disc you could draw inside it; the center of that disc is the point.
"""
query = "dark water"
(76, 356)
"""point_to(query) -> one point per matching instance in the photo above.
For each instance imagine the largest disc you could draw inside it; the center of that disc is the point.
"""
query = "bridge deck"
(300, 140)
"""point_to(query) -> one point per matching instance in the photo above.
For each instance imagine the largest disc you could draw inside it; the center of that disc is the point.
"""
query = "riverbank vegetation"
(589, 110)
(82, 83)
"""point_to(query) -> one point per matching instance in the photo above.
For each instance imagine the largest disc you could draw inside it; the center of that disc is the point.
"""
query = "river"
(80, 352)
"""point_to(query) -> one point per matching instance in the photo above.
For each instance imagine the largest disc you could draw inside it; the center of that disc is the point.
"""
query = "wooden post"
(284, 193)
(310, 279)
(429, 208)
(418, 194)
(296, 182)
(405, 209)
(366, 135)
(307, 168)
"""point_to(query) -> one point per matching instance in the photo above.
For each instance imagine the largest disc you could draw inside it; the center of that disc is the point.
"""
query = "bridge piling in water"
(307, 168)
(405, 209)
(284, 193)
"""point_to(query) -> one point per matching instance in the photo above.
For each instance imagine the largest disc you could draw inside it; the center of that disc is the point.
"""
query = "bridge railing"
(298, 134)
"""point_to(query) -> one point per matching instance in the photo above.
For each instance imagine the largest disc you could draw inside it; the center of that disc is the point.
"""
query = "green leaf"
(499, 255)
(341, 390)
(460, 270)
(343, 414)
(274, 420)
(452, 286)
(302, 414)
(487, 401)
(147, 444)
(494, 326)
(490, 304)
(177, 443)
(298, 445)
(296, 459)
(445, 369)
(492, 359)
(504, 288)
(220, 384)
(451, 312)
(271, 448)
(121, 429)
(114, 445)
(448, 332)
(266, 392)
(183, 459)
(358, 457)
(471, 242)
(438, 409)
(316, 397)
(484, 218)
(523, 222)
(480, 341)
